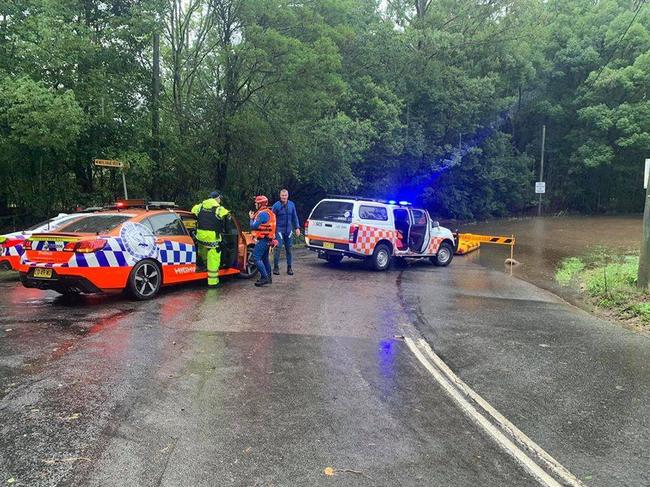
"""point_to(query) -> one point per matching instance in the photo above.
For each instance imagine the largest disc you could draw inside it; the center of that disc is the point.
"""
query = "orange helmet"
(262, 200)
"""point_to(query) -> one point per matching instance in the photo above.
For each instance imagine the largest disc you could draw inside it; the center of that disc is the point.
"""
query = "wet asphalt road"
(247, 386)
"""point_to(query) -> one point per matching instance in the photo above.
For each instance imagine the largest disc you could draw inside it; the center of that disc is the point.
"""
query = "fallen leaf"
(9, 329)
(71, 417)
(166, 448)
(248, 449)
(329, 471)
(11, 480)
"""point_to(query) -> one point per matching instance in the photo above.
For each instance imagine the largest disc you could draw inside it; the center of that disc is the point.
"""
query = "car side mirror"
(435, 224)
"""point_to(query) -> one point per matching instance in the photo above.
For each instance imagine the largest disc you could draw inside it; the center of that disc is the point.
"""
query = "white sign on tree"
(540, 187)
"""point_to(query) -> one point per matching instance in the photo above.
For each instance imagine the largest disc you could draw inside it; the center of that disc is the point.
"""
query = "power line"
(636, 13)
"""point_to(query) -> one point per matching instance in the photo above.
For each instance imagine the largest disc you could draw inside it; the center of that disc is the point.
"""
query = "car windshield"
(95, 224)
(333, 211)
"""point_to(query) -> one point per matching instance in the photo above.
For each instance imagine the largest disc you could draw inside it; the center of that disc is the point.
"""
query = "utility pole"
(541, 170)
(155, 113)
(643, 277)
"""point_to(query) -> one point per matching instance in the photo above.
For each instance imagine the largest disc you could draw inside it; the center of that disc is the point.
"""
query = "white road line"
(501, 439)
(566, 476)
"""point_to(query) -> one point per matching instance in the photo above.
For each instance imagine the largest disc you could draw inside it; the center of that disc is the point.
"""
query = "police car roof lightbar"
(161, 204)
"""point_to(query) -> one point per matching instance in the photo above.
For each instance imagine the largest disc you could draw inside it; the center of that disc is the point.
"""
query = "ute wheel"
(145, 280)
(444, 255)
(334, 259)
(251, 269)
(381, 257)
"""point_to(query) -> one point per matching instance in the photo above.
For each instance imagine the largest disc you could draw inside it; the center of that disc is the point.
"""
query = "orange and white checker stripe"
(434, 245)
(367, 238)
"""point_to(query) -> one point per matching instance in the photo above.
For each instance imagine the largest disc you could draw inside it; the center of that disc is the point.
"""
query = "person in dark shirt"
(287, 225)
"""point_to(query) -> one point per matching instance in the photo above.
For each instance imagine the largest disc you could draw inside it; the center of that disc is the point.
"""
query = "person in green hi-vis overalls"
(211, 223)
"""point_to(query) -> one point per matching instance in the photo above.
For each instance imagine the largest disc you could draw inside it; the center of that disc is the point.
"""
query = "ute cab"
(11, 244)
(133, 247)
(376, 230)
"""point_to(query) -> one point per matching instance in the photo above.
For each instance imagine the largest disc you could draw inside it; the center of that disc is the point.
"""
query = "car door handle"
(328, 225)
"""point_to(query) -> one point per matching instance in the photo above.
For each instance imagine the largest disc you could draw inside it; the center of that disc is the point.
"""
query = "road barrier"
(469, 242)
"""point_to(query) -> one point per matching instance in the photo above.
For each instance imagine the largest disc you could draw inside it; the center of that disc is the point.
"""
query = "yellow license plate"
(328, 245)
(43, 273)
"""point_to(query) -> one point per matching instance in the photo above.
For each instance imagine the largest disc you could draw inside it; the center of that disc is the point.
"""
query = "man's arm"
(196, 209)
(276, 207)
(294, 217)
(261, 218)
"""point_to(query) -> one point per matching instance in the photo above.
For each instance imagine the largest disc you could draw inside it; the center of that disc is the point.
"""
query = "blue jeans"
(285, 239)
(261, 257)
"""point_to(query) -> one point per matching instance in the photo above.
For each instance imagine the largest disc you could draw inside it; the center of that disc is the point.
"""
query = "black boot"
(290, 271)
(276, 270)
(263, 282)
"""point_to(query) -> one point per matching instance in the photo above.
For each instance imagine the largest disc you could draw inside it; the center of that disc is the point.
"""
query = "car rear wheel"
(251, 269)
(145, 280)
(334, 259)
(444, 255)
(381, 257)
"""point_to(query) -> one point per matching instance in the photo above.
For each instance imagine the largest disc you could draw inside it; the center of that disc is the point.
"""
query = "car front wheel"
(145, 280)
(251, 269)
(444, 256)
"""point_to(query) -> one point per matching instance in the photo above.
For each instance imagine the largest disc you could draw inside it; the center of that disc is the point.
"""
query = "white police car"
(376, 230)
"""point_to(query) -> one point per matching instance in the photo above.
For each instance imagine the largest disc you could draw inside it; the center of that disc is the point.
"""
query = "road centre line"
(519, 436)
(453, 390)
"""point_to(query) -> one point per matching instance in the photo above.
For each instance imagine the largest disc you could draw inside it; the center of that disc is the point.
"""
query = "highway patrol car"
(134, 247)
(376, 230)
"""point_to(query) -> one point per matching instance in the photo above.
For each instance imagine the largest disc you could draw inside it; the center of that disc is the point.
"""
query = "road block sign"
(540, 187)
(111, 163)
(471, 237)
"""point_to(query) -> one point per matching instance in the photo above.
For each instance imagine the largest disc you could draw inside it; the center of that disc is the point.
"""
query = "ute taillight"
(306, 226)
(86, 246)
(354, 233)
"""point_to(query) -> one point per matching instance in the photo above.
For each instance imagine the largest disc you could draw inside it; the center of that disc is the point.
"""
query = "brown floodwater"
(542, 243)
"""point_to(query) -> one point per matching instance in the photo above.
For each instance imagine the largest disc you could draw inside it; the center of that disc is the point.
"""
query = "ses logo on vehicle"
(138, 240)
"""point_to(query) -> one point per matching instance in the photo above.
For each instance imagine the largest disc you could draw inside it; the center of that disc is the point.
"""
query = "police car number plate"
(43, 273)
(328, 245)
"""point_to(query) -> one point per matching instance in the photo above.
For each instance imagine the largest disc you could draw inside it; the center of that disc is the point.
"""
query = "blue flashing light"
(392, 202)
(404, 203)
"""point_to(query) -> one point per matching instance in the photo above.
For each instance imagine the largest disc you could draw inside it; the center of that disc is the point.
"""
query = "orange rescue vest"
(265, 230)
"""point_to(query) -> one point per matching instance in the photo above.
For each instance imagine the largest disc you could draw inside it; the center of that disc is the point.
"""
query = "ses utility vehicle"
(376, 230)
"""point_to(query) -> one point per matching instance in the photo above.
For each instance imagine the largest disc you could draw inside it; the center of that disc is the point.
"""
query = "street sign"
(540, 187)
(646, 174)
(111, 163)
(116, 165)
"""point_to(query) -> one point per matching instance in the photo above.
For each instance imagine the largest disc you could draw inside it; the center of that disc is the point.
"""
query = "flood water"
(541, 243)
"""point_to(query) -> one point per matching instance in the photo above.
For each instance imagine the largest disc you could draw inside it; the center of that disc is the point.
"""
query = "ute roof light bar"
(364, 198)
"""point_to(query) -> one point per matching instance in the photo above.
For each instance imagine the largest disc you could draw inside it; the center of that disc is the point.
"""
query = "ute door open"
(402, 225)
(419, 230)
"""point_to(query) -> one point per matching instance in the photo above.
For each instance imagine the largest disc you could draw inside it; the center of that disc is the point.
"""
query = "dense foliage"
(438, 101)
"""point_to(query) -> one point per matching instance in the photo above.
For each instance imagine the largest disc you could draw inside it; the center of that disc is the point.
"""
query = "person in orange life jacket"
(263, 227)
(287, 225)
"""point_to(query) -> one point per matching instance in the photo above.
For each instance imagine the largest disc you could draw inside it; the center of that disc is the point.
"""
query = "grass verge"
(609, 282)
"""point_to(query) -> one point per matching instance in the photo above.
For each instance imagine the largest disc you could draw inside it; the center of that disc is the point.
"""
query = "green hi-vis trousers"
(212, 258)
